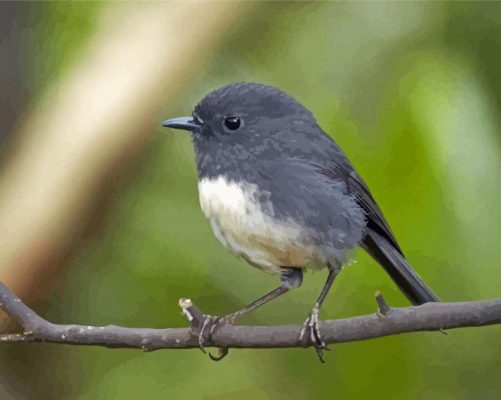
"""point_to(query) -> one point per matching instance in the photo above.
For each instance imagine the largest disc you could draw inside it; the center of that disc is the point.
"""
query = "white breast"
(242, 218)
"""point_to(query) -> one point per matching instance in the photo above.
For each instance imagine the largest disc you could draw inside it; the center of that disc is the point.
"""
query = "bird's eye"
(232, 123)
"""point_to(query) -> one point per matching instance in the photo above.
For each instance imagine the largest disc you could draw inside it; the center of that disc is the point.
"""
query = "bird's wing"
(378, 239)
(299, 192)
(344, 171)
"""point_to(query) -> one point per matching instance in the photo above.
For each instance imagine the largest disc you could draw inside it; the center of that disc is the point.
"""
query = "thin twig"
(384, 308)
(428, 317)
(195, 317)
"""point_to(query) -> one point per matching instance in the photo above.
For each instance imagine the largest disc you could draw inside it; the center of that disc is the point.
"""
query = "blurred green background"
(412, 93)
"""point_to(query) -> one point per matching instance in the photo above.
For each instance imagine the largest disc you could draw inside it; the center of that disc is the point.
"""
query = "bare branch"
(428, 317)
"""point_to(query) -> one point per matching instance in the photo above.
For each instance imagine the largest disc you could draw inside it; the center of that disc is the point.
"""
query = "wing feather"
(357, 187)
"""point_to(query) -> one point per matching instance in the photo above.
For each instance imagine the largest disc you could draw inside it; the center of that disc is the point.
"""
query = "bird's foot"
(311, 324)
(210, 324)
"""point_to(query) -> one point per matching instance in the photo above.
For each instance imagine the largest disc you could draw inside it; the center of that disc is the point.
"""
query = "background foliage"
(412, 93)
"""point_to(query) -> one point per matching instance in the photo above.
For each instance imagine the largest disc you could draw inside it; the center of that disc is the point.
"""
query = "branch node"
(384, 308)
(195, 317)
(185, 305)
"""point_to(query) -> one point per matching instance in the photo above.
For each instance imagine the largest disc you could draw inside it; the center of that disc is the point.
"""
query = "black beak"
(186, 123)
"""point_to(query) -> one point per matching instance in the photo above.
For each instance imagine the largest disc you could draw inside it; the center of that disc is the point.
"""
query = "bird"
(280, 193)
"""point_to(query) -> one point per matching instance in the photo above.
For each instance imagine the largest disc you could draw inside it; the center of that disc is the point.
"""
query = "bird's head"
(243, 113)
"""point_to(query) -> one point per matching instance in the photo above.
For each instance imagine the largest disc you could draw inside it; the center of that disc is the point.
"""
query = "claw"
(312, 324)
(223, 352)
(201, 338)
(214, 322)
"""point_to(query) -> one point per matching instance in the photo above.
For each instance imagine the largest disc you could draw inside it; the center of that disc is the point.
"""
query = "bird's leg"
(290, 278)
(311, 321)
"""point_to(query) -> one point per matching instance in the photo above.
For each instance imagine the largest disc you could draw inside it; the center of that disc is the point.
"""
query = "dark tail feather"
(398, 268)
